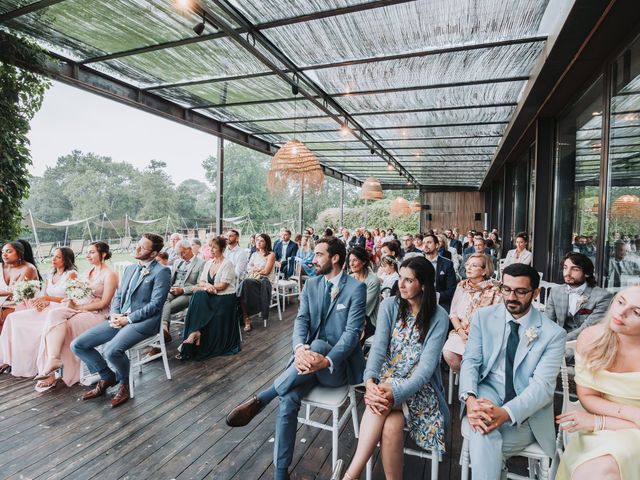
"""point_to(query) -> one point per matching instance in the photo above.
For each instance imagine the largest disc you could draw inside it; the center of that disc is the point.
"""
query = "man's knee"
(289, 402)
(320, 346)
(113, 350)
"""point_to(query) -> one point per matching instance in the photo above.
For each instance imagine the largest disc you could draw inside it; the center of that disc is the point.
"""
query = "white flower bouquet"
(79, 291)
(26, 290)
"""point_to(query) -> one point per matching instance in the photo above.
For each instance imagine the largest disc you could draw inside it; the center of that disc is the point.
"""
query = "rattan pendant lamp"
(400, 207)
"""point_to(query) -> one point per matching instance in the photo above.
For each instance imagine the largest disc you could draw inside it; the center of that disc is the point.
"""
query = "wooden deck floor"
(175, 429)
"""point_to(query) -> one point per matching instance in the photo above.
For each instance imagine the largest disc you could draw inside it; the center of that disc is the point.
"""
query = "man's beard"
(518, 307)
(323, 270)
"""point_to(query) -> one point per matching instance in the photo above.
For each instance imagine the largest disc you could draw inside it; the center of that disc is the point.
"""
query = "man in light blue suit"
(326, 345)
(508, 376)
(136, 311)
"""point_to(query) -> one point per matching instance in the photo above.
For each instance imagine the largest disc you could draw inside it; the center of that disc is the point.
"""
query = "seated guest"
(417, 241)
(580, 303)
(285, 251)
(196, 248)
(369, 245)
(445, 275)
(389, 270)
(237, 255)
(476, 291)
(136, 313)
(328, 233)
(497, 245)
(172, 250)
(508, 376)
(607, 443)
(402, 378)
(163, 259)
(210, 327)
(359, 264)
(252, 244)
(357, 239)
(443, 247)
(20, 337)
(409, 248)
(453, 241)
(305, 255)
(479, 246)
(391, 249)
(326, 349)
(68, 321)
(185, 273)
(256, 287)
(520, 254)
(15, 268)
(346, 236)
(468, 242)
(621, 269)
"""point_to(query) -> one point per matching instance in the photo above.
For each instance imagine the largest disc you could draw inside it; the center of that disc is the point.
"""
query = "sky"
(73, 119)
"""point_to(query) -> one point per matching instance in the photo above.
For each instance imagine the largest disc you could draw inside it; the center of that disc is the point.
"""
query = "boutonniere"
(334, 293)
(582, 299)
(531, 333)
(144, 272)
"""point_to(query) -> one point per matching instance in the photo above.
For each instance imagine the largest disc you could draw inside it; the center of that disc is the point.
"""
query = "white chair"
(545, 288)
(434, 457)
(137, 359)
(329, 398)
(568, 405)
(454, 379)
(275, 293)
(538, 460)
(120, 267)
(291, 287)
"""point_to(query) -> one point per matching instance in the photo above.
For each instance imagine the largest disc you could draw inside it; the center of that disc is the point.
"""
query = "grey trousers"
(174, 304)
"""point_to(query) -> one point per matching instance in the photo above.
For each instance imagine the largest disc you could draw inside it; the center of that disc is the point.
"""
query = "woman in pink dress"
(14, 268)
(20, 335)
(65, 323)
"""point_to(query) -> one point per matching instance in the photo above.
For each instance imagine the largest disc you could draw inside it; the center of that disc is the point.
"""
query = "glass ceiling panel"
(467, 95)
(10, 5)
(470, 115)
(403, 28)
(306, 124)
(449, 143)
(301, 108)
(489, 63)
(263, 11)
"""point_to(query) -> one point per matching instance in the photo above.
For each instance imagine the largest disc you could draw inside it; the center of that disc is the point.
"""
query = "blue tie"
(512, 346)
(326, 303)
(132, 284)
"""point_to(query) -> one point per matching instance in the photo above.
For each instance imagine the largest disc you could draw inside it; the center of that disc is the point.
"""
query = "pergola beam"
(27, 9)
(402, 127)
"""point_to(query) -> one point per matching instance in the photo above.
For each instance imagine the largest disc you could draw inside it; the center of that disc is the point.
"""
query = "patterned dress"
(422, 411)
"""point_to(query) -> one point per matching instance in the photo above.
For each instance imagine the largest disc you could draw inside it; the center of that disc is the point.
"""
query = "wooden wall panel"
(453, 209)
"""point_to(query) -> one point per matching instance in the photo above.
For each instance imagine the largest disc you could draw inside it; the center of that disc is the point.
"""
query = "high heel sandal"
(247, 324)
(57, 376)
(5, 368)
(44, 376)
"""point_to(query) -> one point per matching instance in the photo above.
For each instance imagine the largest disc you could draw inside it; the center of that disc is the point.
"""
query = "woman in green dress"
(211, 326)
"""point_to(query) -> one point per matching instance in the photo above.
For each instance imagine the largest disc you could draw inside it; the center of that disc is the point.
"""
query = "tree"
(21, 95)
(193, 201)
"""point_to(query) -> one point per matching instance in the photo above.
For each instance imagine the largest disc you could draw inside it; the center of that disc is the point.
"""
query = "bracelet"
(596, 423)
(604, 423)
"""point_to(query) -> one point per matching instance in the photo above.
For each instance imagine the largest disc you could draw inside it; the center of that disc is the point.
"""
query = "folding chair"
(156, 341)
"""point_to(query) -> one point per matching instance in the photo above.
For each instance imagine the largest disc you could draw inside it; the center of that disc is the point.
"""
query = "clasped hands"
(40, 303)
(118, 321)
(484, 416)
(307, 361)
(206, 286)
(378, 397)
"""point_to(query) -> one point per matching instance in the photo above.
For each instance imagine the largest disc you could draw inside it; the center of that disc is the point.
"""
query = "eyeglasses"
(475, 265)
(520, 292)
(142, 247)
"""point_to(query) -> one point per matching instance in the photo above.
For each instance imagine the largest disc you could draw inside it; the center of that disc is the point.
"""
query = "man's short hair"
(234, 231)
(157, 242)
(285, 230)
(523, 270)
(434, 237)
(335, 246)
(184, 243)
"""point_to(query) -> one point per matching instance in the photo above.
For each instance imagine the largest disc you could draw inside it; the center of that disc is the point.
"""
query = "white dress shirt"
(574, 297)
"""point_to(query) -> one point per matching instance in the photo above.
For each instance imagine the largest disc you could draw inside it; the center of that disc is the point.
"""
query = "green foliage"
(21, 95)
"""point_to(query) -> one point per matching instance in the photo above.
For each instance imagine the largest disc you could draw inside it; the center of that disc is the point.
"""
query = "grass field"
(83, 264)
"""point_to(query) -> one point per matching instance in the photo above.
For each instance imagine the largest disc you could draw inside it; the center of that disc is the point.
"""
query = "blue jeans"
(116, 342)
(291, 388)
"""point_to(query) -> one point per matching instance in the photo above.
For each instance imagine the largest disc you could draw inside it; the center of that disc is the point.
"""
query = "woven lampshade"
(627, 205)
(400, 207)
(295, 163)
(371, 189)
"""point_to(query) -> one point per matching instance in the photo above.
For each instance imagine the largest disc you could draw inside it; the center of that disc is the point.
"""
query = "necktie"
(512, 346)
(132, 284)
(326, 303)
(616, 273)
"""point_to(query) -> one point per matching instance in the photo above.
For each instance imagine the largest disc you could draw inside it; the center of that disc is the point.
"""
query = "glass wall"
(577, 179)
(622, 233)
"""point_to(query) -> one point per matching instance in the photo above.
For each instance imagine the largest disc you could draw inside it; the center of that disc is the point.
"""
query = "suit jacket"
(444, 253)
(292, 249)
(446, 282)
(343, 326)
(457, 244)
(360, 241)
(191, 279)
(147, 297)
(588, 313)
(535, 369)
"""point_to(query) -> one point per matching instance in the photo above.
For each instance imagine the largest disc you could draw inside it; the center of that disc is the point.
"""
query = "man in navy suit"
(446, 280)
(326, 345)
(136, 311)
(453, 242)
(285, 251)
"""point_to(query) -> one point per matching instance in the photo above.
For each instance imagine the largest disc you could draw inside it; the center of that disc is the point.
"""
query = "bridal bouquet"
(79, 291)
(26, 290)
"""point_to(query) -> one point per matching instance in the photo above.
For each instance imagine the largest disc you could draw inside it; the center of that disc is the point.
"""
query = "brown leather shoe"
(243, 414)
(153, 351)
(167, 336)
(122, 395)
(99, 389)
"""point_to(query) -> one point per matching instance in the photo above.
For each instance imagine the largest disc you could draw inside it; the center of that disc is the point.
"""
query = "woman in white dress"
(520, 254)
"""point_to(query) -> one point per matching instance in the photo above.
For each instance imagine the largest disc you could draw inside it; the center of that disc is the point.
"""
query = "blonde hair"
(488, 264)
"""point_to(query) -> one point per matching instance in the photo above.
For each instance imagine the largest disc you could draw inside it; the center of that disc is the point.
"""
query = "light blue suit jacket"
(344, 325)
(147, 297)
(535, 369)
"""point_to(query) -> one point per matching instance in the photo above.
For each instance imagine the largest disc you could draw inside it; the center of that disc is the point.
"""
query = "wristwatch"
(465, 396)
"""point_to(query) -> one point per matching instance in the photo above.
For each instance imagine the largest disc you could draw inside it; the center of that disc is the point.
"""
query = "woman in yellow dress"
(607, 443)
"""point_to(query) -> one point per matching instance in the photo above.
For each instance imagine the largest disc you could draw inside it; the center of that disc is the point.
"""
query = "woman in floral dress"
(402, 378)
